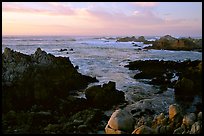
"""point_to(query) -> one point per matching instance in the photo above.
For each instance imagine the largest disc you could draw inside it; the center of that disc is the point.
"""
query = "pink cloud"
(52, 9)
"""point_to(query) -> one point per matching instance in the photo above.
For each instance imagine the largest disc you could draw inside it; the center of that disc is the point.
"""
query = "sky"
(102, 18)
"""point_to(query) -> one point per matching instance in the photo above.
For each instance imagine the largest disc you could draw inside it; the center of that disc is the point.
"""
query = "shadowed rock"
(38, 79)
(105, 96)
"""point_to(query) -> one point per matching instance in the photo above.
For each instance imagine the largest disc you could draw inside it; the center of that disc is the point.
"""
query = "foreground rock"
(168, 42)
(37, 79)
(175, 122)
(120, 122)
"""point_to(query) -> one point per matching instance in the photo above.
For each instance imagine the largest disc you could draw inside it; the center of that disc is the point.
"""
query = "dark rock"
(105, 96)
(61, 50)
(88, 121)
(187, 86)
(76, 67)
(38, 79)
(184, 86)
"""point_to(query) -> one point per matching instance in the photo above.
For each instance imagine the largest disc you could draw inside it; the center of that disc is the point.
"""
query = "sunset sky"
(102, 18)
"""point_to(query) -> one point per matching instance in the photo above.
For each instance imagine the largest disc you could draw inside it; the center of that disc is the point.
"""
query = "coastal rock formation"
(105, 96)
(168, 42)
(184, 77)
(132, 39)
(37, 79)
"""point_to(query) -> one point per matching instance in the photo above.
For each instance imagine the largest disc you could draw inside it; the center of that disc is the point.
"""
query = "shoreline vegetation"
(37, 95)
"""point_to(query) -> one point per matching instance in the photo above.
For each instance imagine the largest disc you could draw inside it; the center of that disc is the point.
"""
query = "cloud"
(146, 4)
(45, 8)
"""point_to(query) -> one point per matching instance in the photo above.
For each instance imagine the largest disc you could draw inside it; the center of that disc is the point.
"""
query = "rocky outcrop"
(37, 79)
(168, 42)
(175, 122)
(105, 96)
(185, 77)
(132, 39)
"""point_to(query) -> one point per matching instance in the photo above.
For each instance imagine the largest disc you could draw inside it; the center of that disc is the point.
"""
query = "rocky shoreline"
(122, 121)
(184, 77)
(37, 98)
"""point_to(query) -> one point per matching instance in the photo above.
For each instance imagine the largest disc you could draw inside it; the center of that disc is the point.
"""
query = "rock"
(132, 39)
(179, 130)
(104, 97)
(189, 119)
(184, 86)
(170, 43)
(82, 128)
(200, 116)
(42, 58)
(109, 130)
(163, 130)
(141, 39)
(39, 79)
(121, 120)
(52, 129)
(167, 37)
(174, 110)
(143, 130)
(196, 128)
(61, 50)
(159, 120)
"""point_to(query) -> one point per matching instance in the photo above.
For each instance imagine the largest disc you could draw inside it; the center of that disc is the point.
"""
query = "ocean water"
(101, 57)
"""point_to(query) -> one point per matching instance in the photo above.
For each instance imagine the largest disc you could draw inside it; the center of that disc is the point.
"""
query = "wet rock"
(105, 96)
(61, 50)
(120, 120)
(143, 130)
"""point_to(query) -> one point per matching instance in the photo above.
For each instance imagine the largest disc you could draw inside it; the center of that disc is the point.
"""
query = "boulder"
(196, 128)
(200, 116)
(109, 130)
(184, 86)
(174, 110)
(120, 120)
(104, 97)
(189, 119)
